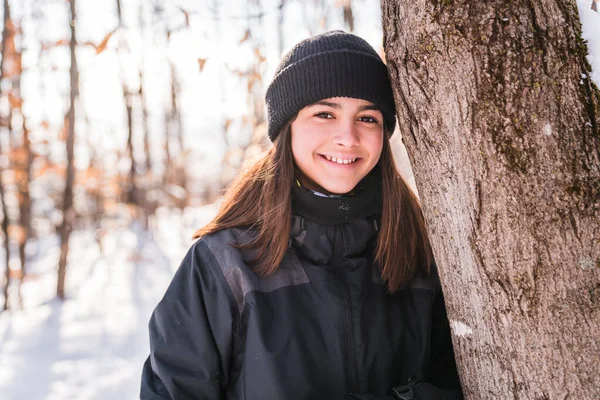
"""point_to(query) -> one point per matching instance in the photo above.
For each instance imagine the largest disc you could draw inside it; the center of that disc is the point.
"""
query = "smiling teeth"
(340, 161)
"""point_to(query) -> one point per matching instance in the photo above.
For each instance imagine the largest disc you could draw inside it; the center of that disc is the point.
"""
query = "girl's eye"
(324, 115)
(368, 119)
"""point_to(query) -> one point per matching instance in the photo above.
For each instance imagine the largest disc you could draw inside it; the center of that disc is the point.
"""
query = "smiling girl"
(315, 280)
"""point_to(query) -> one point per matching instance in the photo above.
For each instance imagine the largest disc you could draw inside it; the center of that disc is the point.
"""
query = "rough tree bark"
(501, 122)
(66, 225)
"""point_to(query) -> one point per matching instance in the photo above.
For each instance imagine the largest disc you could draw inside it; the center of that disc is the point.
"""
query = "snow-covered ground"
(93, 345)
(590, 22)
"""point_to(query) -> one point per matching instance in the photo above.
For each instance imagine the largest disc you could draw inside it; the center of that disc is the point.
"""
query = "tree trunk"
(23, 170)
(131, 181)
(24, 201)
(501, 122)
(280, 19)
(147, 179)
(180, 179)
(167, 179)
(6, 243)
(145, 130)
(131, 197)
(6, 33)
(67, 207)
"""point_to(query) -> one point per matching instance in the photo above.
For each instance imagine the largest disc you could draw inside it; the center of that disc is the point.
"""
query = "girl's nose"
(347, 134)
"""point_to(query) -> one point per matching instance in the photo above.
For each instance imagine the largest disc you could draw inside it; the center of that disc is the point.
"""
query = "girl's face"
(336, 142)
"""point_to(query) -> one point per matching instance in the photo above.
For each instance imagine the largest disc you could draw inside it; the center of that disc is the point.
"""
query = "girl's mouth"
(340, 160)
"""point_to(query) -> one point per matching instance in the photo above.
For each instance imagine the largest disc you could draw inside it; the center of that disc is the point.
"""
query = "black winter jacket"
(321, 327)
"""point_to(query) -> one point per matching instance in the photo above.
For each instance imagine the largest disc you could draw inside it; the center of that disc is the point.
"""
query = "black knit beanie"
(333, 64)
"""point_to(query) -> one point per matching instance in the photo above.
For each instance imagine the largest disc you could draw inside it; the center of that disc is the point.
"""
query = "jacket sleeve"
(191, 333)
(442, 365)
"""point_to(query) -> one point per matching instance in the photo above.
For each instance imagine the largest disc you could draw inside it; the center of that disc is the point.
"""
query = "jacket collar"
(364, 202)
(346, 225)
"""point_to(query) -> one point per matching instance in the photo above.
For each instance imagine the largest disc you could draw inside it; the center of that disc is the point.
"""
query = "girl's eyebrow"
(369, 107)
(327, 104)
(337, 106)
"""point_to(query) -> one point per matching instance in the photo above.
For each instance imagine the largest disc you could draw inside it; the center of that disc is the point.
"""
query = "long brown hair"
(260, 199)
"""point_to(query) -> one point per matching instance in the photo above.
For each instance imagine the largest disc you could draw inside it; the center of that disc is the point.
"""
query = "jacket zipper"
(349, 337)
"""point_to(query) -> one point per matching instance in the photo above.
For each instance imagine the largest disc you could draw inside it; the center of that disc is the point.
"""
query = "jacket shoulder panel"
(239, 275)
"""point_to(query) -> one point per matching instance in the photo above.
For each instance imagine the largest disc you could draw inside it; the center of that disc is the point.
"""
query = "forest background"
(109, 163)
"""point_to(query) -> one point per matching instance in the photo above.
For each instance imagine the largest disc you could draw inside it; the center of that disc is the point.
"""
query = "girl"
(315, 280)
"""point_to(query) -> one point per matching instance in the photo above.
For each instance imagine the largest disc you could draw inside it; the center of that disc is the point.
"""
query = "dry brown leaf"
(237, 72)
(201, 62)
(17, 156)
(259, 55)
(323, 22)
(50, 169)
(65, 130)
(58, 43)
(187, 17)
(102, 46)
(12, 66)
(20, 175)
(253, 78)
(16, 102)
(246, 36)
(91, 172)
(12, 63)
(88, 178)
(61, 42)
(250, 83)
(15, 273)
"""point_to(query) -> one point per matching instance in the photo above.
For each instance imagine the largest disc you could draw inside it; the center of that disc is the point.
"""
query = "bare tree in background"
(280, 19)
(259, 140)
(316, 15)
(5, 237)
(144, 103)
(178, 177)
(22, 165)
(68, 214)
(502, 125)
(131, 196)
(174, 180)
(147, 202)
(7, 34)
(167, 134)
(348, 14)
